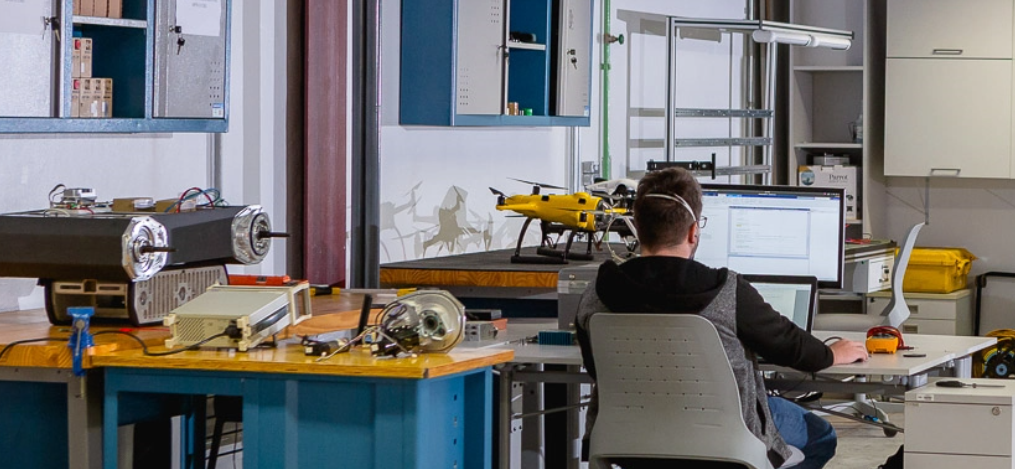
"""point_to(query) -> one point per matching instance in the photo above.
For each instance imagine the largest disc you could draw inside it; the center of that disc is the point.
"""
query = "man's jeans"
(800, 428)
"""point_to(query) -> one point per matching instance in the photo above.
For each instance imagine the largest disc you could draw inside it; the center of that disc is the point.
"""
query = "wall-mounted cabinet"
(949, 87)
(157, 66)
(496, 62)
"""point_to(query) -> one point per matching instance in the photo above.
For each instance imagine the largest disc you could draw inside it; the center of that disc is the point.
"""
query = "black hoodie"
(663, 284)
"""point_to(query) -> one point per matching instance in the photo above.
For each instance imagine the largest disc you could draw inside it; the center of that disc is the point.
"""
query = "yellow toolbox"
(938, 270)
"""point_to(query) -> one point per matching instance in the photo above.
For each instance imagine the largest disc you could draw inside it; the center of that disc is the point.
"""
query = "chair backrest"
(667, 391)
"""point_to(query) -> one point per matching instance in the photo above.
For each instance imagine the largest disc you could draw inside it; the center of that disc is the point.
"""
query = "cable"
(190, 194)
(144, 346)
(28, 341)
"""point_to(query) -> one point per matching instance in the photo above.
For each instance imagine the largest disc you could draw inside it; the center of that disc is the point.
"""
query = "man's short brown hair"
(662, 222)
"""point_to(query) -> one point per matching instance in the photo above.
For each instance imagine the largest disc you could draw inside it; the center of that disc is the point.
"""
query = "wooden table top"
(480, 269)
(33, 324)
(331, 313)
(288, 358)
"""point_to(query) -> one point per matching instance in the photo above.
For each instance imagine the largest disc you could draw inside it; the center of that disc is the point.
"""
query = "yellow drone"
(578, 214)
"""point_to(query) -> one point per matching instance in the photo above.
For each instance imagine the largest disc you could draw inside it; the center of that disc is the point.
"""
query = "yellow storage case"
(938, 270)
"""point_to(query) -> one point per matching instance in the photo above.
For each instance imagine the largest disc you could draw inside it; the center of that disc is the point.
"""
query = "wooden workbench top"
(33, 324)
(331, 313)
(481, 269)
(288, 358)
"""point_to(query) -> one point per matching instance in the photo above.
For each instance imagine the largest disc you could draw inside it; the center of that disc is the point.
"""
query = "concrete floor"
(864, 446)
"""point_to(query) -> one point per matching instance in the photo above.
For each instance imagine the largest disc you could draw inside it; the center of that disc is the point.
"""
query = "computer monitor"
(774, 230)
(791, 296)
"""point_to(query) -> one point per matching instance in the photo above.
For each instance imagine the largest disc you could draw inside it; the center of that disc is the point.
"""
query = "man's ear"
(693, 234)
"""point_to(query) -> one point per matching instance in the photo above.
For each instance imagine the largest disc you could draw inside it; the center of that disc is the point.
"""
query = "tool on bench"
(951, 383)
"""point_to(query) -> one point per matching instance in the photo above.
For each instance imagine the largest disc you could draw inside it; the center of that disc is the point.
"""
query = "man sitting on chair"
(666, 280)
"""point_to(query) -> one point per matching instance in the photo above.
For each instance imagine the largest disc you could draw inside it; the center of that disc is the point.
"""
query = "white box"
(843, 177)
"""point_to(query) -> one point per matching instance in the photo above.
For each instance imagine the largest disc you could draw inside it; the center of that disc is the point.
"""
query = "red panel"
(327, 27)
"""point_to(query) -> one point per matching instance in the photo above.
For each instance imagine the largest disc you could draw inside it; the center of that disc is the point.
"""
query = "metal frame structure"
(758, 90)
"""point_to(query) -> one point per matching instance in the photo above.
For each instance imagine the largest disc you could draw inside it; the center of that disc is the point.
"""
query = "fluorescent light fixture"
(801, 39)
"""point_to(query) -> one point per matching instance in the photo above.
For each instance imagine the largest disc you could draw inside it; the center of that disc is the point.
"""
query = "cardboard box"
(75, 97)
(844, 177)
(83, 48)
(106, 94)
(77, 7)
(100, 7)
(75, 58)
(115, 9)
(91, 97)
(87, 7)
(84, 104)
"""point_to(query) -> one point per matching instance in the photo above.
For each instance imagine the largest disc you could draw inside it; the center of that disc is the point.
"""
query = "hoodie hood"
(657, 284)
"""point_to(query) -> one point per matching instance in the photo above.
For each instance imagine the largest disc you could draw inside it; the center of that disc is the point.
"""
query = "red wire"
(179, 203)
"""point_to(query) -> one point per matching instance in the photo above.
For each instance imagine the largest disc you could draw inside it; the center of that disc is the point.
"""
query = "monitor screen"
(792, 297)
(774, 230)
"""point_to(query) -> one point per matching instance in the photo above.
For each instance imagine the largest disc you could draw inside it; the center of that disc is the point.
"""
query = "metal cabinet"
(479, 57)
(167, 62)
(573, 57)
(190, 64)
(28, 55)
(475, 62)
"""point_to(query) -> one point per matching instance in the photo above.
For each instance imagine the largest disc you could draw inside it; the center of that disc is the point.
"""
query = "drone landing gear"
(547, 253)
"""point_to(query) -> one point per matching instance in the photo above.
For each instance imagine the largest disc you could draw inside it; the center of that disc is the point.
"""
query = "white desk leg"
(963, 367)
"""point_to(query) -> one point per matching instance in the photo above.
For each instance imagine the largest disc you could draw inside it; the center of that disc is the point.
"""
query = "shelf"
(698, 112)
(526, 46)
(520, 121)
(827, 69)
(829, 146)
(115, 22)
(114, 125)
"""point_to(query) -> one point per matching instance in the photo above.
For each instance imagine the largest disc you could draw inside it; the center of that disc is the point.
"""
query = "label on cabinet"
(199, 17)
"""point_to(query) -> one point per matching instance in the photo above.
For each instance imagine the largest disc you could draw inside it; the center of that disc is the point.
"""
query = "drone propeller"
(539, 184)
(497, 192)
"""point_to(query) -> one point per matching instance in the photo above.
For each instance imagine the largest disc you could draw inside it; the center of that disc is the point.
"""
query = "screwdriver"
(959, 384)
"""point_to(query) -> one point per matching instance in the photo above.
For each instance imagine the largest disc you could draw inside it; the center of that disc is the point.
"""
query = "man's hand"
(846, 352)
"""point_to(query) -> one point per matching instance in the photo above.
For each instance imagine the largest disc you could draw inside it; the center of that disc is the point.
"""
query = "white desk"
(949, 354)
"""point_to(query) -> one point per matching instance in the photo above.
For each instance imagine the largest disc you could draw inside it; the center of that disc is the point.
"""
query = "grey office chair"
(667, 391)
(897, 310)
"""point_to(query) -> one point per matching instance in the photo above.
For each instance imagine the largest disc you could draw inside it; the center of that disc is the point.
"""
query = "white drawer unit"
(948, 118)
(978, 29)
(960, 427)
(938, 314)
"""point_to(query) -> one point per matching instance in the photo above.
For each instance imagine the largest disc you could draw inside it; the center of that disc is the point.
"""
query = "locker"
(28, 58)
(480, 57)
(190, 59)
(574, 58)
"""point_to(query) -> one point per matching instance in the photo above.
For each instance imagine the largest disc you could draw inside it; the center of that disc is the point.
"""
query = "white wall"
(164, 165)
(976, 214)
(424, 169)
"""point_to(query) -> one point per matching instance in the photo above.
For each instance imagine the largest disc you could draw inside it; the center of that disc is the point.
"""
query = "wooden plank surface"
(288, 358)
(33, 324)
(331, 313)
(466, 278)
